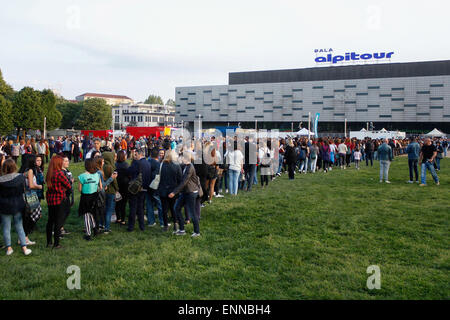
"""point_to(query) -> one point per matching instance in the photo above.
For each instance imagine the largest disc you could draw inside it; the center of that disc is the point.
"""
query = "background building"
(142, 115)
(413, 97)
(110, 99)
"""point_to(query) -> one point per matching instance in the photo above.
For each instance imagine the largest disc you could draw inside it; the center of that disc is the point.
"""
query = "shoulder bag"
(155, 183)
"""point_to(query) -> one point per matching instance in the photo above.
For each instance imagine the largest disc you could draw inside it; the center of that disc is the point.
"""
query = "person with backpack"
(89, 185)
(139, 173)
(152, 194)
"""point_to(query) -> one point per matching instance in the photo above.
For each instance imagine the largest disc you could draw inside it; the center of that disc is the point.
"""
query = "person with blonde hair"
(170, 178)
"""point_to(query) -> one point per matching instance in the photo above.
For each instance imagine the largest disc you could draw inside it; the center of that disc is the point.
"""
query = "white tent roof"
(304, 132)
(435, 133)
(383, 130)
(363, 130)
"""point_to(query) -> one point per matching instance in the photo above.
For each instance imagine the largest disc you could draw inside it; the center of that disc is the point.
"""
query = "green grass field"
(311, 238)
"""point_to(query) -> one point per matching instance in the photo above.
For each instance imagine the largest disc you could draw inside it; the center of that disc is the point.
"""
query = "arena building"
(412, 97)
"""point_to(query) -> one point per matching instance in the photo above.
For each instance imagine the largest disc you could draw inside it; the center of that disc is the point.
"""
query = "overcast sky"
(138, 47)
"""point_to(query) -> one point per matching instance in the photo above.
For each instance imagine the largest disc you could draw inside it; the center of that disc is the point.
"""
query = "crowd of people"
(170, 175)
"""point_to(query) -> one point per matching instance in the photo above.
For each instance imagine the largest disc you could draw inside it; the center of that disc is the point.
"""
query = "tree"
(170, 102)
(5, 89)
(154, 99)
(27, 109)
(70, 113)
(48, 105)
(95, 115)
(6, 122)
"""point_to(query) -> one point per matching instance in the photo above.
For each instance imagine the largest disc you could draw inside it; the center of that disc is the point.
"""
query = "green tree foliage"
(70, 113)
(27, 109)
(6, 122)
(95, 115)
(170, 102)
(154, 99)
(48, 105)
(5, 89)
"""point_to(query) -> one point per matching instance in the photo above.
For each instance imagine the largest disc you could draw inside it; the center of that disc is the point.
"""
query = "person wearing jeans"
(189, 189)
(153, 200)
(233, 181)
(423, 177)
(136, 208)
(235, 159)
(413, 151)
(427, 155)
(12, 186)
(110, 205)
(385, 156)
(109, 170)
(139, 166)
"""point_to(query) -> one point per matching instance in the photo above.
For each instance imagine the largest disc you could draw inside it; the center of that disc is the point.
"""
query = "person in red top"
(57, 185)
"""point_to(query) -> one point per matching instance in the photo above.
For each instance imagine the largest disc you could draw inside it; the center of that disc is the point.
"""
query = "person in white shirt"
(265, 156)
(235, 159)
(357, 157)
(342, 150)
(333, 150)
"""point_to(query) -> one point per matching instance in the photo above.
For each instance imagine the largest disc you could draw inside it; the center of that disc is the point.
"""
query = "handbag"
(135, 186)
(200, 190)
(118, 196)
(101, 199)
(32, 205)
(155, 183)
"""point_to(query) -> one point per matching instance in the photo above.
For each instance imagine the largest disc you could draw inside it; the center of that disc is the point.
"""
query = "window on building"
(127, 119)
(139, 118)
(154, 119)
(117, 119)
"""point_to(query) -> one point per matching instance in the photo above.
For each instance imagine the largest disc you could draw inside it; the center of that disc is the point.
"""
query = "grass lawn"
(311, 238)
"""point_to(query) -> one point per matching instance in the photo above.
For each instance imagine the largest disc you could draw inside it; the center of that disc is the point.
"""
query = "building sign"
(327, 56)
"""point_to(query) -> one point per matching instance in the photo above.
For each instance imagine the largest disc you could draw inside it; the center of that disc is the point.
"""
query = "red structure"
(97, 133)
(138, 132)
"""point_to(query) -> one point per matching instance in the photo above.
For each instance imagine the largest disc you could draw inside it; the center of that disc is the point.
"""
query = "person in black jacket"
(122, 180)
(190, 189)
(290, 157)
(12, 204)
(139, 165)
(170, 178)
(368, 149)
(152, 195)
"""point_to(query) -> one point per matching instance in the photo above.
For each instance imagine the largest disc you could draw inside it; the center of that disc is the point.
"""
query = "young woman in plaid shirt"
(57, 185)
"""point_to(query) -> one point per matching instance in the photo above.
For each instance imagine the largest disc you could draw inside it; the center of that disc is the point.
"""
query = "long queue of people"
(170, 175)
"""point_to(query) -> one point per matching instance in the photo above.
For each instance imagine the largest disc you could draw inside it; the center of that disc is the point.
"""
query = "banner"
(316, 124)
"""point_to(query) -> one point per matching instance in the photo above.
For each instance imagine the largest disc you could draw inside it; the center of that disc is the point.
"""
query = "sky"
(142, 47)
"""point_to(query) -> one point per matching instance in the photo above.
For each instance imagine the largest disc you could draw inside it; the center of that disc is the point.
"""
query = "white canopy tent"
(435, 133)
(304, 132)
